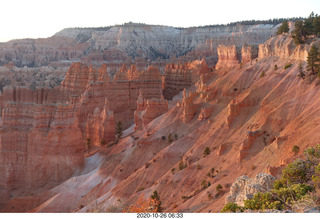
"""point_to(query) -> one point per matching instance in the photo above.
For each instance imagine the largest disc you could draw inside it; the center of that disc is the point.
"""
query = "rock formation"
(180, 76)
(233, 111)
(41, 143)
(247, 144)
(205, 112)
(189, 106)
(100, 126)
(283, 47)
(244, 188)
(147, 110)
(248, 53)
(228, 56)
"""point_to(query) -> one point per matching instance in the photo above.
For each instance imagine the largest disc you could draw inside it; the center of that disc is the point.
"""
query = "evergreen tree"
(308, 25)
(298, 32)
(119, 130)
(316, 25)
(313, 60)
(156, 198)
(284, 28)
(300, 69)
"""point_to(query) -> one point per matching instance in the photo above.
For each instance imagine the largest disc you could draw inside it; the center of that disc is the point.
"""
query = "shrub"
(232, 207)
(287, 66)
(262, 201)
(312, 154)
(219, 189)
(163, 138)
(262, 74)
(182, 165)
(295, 149)
(295, 172)
(211, 173)
(206, 151)
(173, 169)
(316, 176)
(170, 139)
(205, 184)
(175, 136)
(275, 67)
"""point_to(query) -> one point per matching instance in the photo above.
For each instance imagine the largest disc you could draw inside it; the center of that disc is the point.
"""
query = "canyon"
(175, 92)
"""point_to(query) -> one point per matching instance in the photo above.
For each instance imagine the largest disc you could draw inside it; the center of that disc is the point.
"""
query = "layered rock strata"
(180, 76)
(228, 56)
(40, 140)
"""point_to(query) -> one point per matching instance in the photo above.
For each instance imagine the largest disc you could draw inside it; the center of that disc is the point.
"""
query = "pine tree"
(284, 28)
(313, 60)
(156, 198)
(119, 130)
(308, 27)
(316, 25)
(300, 69)
(298, 32)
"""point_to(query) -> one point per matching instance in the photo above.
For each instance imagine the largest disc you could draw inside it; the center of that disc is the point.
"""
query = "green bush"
(219, 189)
(206, 151)
(262, 74)
(278, 199)
(295, 173)
(275, 67)
(182, 165)
(316, 176)
(287, 66)
(170, 139)
(295, 149)
(232, 207)
(205, 184)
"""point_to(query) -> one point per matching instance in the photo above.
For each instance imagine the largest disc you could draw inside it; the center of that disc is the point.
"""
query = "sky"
(43, 18)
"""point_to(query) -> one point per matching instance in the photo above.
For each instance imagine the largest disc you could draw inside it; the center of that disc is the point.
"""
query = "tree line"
(303, 29)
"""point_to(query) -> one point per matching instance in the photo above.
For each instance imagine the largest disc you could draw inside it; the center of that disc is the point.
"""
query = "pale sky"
(43, 18)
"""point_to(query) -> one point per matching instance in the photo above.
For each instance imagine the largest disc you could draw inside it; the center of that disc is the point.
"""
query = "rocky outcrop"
(228, 56)
(147, 110)
(180, 76)
(244, 188)
(233, 111)
(283, 46)
(248, 53)
(189, 107)
(205, 112)
(251, 136)
(100, 126)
